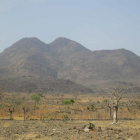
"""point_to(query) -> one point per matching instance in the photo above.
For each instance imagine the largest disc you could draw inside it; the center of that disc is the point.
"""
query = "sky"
(96, 24)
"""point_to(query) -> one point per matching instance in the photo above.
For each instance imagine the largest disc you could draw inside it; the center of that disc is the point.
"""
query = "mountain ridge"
(66, 59)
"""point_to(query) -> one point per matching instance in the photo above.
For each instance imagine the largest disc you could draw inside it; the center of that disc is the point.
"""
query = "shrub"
(68, 101)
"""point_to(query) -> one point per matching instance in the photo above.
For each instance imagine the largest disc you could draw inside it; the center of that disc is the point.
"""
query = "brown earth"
(68, 130)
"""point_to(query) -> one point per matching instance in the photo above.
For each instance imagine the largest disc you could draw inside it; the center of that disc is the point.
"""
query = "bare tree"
(133, 106)
(110, 109)
(12, 102)
(25, 110)
(116, 97)
(11, 111)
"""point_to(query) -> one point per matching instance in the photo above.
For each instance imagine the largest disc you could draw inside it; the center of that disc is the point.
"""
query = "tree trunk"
(110, 112)
(24, 115)
(115, 113)
(25, 110)
(11, 115)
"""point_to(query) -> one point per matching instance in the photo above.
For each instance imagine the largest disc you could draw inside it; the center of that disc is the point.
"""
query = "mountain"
(29, 57)
(30, 65)
(99, 69)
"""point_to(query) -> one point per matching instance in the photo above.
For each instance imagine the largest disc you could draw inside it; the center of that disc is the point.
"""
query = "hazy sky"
(97, 24)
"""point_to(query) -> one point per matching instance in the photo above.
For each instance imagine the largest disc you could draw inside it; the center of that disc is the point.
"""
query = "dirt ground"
(69, 130)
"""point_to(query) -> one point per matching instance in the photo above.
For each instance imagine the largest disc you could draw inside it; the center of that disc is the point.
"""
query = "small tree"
(92, 108)
(36, 98)
(109, 106)
(25, 110)
(11, 111)
(12, 102)
(133, 106)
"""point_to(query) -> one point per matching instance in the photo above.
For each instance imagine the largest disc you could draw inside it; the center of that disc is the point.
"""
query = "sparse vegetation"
(70, 113)
(97, 107)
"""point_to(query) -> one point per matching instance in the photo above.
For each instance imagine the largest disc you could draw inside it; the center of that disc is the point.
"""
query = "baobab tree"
(115, 99)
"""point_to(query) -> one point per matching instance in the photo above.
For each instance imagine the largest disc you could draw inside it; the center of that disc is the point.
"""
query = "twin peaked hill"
(31, 65)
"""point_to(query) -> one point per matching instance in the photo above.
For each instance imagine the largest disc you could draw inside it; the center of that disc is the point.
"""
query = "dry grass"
(51, 107)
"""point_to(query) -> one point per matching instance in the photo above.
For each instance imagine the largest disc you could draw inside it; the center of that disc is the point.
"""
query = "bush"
(65, 117)
(68, 101)
(36, 97)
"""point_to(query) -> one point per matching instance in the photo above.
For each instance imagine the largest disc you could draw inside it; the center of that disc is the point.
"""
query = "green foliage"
(68, 101)
(36, 97)
(2, 106)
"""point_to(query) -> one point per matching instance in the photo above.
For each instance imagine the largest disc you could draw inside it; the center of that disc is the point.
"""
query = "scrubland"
(61, 116)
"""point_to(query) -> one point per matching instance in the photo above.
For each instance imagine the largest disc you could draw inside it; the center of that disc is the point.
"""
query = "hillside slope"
(98, 69)
(30, 65)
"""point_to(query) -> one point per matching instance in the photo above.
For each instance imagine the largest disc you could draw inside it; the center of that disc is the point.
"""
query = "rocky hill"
(31, 65)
